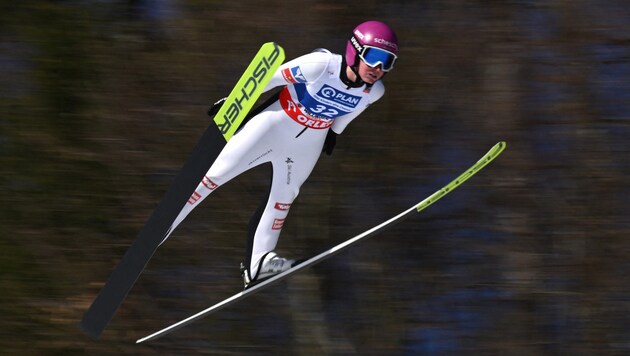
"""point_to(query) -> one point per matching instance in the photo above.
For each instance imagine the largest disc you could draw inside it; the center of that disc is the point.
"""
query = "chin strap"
(344, 76)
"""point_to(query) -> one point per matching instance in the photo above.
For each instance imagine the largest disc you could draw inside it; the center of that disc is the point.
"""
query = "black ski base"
(140, 252)
(125, 275)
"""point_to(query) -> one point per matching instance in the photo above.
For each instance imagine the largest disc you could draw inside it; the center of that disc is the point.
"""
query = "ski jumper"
(289, 134)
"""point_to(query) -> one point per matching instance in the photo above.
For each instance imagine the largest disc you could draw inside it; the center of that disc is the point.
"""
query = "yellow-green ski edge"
(248, 88)
(494, 152)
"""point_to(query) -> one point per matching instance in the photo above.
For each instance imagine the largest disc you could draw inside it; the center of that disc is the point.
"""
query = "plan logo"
(338, 96)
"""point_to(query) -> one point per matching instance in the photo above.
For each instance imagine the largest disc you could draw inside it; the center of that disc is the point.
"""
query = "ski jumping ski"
(227, 120)
(487, 158)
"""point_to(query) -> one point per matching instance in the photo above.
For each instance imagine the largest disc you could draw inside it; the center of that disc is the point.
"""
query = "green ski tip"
(494, 152)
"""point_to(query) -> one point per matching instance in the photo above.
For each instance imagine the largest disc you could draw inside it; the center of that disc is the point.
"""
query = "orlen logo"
(386, 43)
(282, 206)
(338, 97)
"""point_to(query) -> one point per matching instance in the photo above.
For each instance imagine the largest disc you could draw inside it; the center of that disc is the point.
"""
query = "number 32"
(324, 111)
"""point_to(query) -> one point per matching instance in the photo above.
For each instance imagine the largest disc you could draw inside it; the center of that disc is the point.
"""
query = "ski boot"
(270, 265)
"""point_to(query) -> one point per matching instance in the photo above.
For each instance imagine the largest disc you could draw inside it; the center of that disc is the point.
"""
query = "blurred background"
(102, 101)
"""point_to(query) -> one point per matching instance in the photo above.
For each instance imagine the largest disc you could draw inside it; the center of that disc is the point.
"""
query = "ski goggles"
(373, 56)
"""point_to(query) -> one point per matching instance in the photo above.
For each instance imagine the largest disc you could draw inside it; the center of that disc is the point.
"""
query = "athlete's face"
(370, 74)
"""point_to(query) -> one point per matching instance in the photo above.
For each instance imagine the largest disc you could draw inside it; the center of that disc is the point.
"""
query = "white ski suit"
(290, 134)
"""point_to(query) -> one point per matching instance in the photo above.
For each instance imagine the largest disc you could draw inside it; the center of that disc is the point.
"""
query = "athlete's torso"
(315, 95)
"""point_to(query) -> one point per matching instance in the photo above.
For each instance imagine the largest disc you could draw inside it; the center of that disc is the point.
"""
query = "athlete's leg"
(247, 149)
(290, 171)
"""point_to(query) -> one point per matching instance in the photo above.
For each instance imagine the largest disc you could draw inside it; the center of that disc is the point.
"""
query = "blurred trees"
(101, 103)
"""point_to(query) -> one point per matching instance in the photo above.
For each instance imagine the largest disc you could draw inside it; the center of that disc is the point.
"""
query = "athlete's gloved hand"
(216, 106)
(331, 141)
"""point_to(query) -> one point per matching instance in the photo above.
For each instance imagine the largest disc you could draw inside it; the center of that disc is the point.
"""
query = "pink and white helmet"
(375, 43)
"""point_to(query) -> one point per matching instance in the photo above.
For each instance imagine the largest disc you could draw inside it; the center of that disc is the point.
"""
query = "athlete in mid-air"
(321, 94)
